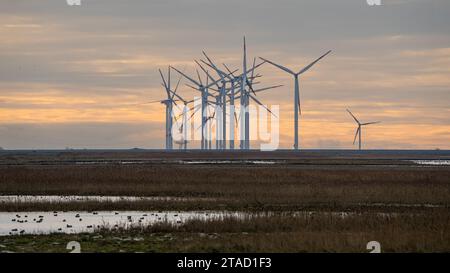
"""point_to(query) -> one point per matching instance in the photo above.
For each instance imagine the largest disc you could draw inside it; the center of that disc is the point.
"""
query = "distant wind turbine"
(296, 91)
(204, 93)
(358, 131)
(169, 106)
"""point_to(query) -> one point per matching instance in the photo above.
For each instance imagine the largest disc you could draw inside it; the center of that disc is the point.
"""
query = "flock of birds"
(40, 219)
(68, 221)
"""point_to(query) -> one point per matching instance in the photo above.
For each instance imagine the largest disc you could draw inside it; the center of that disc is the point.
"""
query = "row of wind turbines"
(222, 87)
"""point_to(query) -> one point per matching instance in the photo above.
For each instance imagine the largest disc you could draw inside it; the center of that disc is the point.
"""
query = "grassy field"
(403, 206)
(230, 187)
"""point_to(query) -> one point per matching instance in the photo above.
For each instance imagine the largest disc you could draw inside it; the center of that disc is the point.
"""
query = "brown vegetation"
(234, 187)
(320, 232)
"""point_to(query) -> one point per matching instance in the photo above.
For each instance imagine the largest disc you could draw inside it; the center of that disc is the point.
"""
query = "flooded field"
(432, 162)
(309, 201)
(255, 162)
(91, 198)
(12, 223)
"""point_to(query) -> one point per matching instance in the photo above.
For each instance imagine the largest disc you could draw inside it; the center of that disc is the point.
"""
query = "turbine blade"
(299, 107)
(253, 69)
(214, 83)
(357, 121)
(258, 102)
(195, 111)
(166, 87)
(178, 96)
(176, 88)
(187, 77)
(268, 88)
(279, 66)
(206, 72)
(213, 66)
(356, 135)
(143, 103)
(228, 69)
(199, 78)
(368, 123)
(244, 63)
(178, 84)
(218, 72)
(193, 87)
(168, 76)
(249, 71)
(163, 79)
(313, 63)
(251, 87)
(250, 84)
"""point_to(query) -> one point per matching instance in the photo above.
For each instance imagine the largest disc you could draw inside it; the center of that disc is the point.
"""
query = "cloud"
(80, 135)
(98, 63)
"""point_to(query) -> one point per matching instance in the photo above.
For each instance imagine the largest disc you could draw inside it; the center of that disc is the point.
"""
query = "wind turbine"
(204, 93)
(220, 105)
(243, 81)
(184, 127)
(169, 106)
(296, 91)
(221, 101)
(358, 131)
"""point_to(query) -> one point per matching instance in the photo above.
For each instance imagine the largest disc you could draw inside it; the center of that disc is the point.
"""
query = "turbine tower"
(169, 102)
(358, 131)
(297, 109)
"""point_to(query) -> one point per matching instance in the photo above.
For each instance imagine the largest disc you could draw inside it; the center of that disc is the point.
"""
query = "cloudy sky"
(76, 76)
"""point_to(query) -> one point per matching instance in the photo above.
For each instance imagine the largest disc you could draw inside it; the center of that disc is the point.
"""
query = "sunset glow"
(93, 69)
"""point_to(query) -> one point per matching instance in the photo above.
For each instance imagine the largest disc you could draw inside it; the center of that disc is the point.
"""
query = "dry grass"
(235, 187)
(351, 186)
(321, 232)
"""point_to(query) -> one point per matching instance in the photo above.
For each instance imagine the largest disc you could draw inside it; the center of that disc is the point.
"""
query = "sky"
(78, 76)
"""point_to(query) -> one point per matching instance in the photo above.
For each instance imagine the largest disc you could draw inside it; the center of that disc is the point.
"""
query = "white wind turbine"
(169, 106)
(296, 91)
(204, 93)
(243, 80)
(184, 127)
(358, 131)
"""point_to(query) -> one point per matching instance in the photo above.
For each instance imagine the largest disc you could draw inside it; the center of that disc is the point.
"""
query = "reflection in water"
(432, 162)
(12, 223)
(255, 162)
(77, 198)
